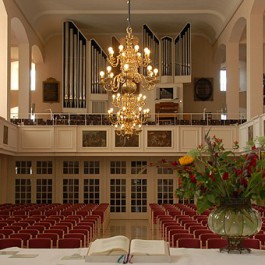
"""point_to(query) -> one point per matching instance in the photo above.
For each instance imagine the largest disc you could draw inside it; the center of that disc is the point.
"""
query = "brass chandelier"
(130, 115)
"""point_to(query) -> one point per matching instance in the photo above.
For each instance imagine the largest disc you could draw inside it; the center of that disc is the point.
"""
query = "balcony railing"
(103, 119)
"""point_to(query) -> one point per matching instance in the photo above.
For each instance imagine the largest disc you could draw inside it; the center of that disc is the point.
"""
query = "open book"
(110, 249)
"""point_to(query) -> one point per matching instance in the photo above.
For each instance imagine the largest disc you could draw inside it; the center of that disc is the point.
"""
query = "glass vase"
(235, 220)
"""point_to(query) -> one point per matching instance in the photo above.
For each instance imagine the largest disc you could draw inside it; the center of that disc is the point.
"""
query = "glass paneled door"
(128, 198)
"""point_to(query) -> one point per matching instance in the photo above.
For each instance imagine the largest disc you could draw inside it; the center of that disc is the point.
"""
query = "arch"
(19, 34)
(238, 29)
(37, 56)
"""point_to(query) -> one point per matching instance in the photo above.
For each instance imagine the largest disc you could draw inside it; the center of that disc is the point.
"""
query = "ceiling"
(207, 17)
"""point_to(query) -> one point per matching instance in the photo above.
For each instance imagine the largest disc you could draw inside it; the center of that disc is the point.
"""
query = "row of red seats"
(83, 226)
(44, 209)
(71, 242)
(179, 222)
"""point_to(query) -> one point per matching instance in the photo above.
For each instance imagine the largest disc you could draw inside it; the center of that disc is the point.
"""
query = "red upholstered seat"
(69, 243)
(40, 243)
(189, 243)
(10, 242)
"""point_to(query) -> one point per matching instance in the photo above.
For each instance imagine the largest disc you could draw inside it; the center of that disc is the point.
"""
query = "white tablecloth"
(180, 256)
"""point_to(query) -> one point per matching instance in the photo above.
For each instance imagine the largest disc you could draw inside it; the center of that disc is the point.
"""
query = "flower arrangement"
(212, 174)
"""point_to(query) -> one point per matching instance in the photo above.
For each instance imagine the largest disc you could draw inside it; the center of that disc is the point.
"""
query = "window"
(44, 191)
(33, 77)
(138, 167)
(164, 171)
(15, 76)
(138, 195)
(44, 167)
(14, 113)
(165, 191)
(70, 190)
(22, 191)
(118, 195)
(70, 167)
(91, 191)
(223, 80)
(117, 167)
(91, 167)
(23, 167)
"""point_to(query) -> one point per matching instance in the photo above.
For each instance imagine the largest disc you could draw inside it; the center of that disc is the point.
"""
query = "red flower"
(174, 163)
(225, 176)
(211, 176)
(193, 178)
(203, 189)
(238, 171)
(244, 182)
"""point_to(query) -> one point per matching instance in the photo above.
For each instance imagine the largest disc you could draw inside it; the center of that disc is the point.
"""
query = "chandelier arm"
(113, 62)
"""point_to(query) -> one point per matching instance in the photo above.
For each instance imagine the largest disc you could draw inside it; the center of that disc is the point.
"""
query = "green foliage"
(217, 174)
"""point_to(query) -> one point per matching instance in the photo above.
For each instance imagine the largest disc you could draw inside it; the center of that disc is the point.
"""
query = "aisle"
(131, 228)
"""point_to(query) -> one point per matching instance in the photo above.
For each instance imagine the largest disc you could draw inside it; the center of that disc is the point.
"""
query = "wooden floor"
(131, 228)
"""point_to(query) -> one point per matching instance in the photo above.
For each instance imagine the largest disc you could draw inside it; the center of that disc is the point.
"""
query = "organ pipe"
(74, 71)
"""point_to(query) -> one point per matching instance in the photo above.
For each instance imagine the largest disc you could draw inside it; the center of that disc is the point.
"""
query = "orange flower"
(186, 160)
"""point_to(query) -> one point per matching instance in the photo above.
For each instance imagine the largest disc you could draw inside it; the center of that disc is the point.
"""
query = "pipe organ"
(152, 43)
(166, 56)
(74, 67)
(83, 60)
(183, 52)
(174, 58)
(98, 63)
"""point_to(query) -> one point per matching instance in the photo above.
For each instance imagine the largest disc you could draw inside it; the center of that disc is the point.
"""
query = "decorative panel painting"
(159, 138)
(121, 141)
(94, 139)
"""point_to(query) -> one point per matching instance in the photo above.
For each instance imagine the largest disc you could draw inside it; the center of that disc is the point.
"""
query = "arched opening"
(20, 66)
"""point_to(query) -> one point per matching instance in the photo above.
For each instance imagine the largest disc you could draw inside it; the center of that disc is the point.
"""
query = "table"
(180, 256)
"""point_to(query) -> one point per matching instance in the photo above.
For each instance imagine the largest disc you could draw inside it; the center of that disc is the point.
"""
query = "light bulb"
(109, 69)
(121, 48)
(102, 74)
(136, 47)
(111, 51)
(149, 67)
(146, 51)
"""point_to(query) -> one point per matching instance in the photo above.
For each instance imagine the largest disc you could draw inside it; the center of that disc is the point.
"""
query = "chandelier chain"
(129, 13)
(134, 72)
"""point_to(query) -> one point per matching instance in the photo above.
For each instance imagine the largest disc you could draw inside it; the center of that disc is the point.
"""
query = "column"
(24, 80)
(4, 65)
(254, 65)
(232, 77)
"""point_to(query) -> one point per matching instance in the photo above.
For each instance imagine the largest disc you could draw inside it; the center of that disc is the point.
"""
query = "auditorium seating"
(45, 224)
(177, 221)
(86, 222)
